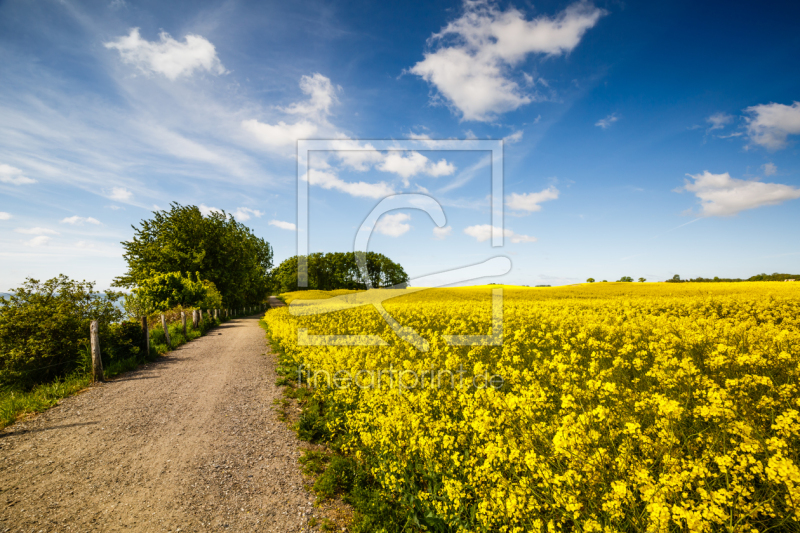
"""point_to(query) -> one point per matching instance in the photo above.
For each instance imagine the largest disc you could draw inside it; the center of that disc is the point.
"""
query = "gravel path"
(191, 442)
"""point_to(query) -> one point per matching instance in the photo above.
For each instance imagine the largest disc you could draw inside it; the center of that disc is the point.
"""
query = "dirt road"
(189, 443)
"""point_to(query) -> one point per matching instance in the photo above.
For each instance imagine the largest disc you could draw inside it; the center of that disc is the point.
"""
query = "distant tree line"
(331, 271)
(758, 277)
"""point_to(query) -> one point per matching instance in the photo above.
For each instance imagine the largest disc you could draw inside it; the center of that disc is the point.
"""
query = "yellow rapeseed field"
(609, 407)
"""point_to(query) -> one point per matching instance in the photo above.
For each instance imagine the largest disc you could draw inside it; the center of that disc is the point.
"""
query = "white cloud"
(169, 57)
(329, 180)
(721, 195)
(321, 96)
(245, 213)
(514, 137)
(314, 114)
(769, 169)
(207, 211)
(37, 231)
(483, 232)
(13, 175)
(530, 201)
(38, 241)
(441, 233)
(283, 225)
(472, 71)
(393, 225)
(79, 221)
(770, 124)
(120, 194)
(606, 122)
(407, 164)
(5, 216)
(719, 121)
(117, 207)
(419, 136)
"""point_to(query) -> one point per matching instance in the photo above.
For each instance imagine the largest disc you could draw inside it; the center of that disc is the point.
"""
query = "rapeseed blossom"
(648, 407)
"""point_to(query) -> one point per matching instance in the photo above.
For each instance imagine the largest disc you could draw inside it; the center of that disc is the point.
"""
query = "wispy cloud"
(605, 123)
(14, 176)
(283, 225)
(79, 221)
(717, 121)
(5, 216)
(532, 201)
(329, 180)
(245, 213)
(38, 241)
(37, 231)
(483, 232)
(442, 233)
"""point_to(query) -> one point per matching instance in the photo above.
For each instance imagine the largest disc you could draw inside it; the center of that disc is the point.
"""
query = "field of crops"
(618, 407)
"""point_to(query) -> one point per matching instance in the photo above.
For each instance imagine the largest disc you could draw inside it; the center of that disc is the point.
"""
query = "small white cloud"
(530, 202)
(718, 121)
(419, 136)
(283, 225)
(207, 211)
(115, 207)
(408, 164)
(721, 195)
(606, 122)
(245, 213)
(79, 221)
(441, 233)
(769, 169)
(280, 135)
(38, 241)
(321, 96)
(483, 232)
(329, 180)
(769, 125)
(514, 137)
(13, 176)
(168, 57)
(37, 231)
(5, 216)
(393, 225)
(471, 67)
(120, 194)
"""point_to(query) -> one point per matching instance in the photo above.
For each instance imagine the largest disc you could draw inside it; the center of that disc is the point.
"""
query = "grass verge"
(16, 403)
(336, 474)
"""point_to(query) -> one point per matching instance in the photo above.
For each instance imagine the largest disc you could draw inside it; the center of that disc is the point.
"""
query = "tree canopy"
(339, 270)
(217, 247)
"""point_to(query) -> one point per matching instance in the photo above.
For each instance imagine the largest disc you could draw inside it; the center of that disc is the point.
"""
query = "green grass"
(16, 402)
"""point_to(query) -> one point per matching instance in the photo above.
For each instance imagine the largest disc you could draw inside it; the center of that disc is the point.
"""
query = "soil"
(191, 442)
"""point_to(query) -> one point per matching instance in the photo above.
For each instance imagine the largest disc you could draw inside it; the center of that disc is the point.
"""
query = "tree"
(217, 247)
(44, 324)
(642, 280)
(338, 271)
(165, 291)
(626, 279)
(590, 280)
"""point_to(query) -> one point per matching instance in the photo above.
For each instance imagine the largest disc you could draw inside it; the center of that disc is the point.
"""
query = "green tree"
(338, 271)
(626, 279)
(44, 324)
(642, 280)
(217, 247)
(590, 280)
(165, 291)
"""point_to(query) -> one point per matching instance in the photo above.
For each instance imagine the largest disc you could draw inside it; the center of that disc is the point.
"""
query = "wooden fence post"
(97, 361)
(194, 318)
(146, 335)
(183, 321)
(166, 331)
(199, 316)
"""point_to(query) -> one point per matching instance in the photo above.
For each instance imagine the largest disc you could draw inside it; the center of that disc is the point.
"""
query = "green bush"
(44, 326)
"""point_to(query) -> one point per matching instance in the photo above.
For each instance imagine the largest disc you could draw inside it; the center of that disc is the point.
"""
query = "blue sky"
(641, 139)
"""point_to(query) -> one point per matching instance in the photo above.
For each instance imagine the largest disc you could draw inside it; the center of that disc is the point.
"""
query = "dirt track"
(189, 443)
